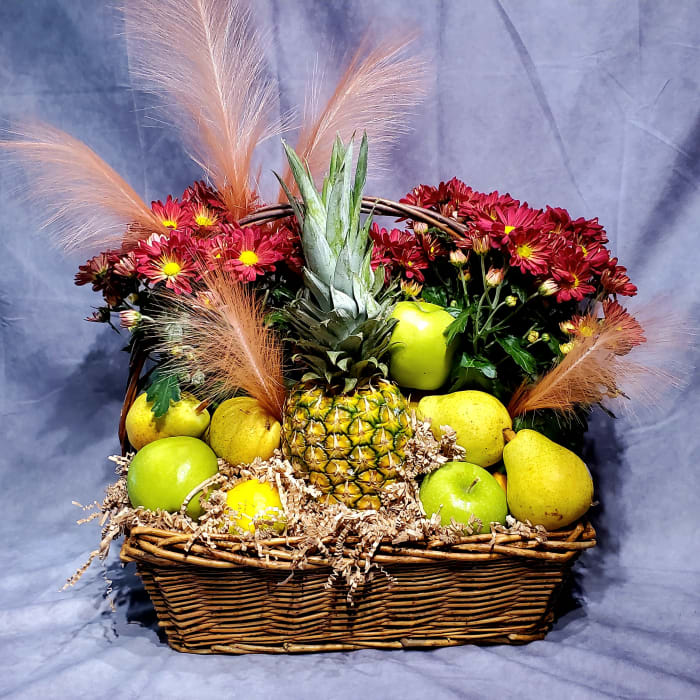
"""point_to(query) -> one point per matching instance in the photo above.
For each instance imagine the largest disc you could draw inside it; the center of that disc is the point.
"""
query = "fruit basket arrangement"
(337, 435)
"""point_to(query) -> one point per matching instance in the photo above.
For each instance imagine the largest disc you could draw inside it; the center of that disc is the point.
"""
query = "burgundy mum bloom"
(96, 270)
(616, 281)
(572, 274)
(173, 214)
(529, 250)
(169, 259)
(398, 249)
(251, 251)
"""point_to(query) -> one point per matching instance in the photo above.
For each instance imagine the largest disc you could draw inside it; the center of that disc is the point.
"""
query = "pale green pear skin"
(478, 418)
(182, 419)
(547, 484)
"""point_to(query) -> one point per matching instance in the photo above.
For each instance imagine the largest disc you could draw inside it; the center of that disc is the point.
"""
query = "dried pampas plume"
(638, 359)
(205, 59)
(220, 333)
(89, 204)
(377, 90)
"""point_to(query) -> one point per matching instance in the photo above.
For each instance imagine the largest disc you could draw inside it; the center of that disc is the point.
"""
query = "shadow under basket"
(225, 600)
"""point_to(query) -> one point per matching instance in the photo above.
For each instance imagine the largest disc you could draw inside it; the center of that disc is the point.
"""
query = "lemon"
(253, 499)
(241, 430)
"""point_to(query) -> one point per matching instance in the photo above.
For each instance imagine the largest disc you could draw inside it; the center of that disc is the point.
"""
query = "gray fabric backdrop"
(589, 105)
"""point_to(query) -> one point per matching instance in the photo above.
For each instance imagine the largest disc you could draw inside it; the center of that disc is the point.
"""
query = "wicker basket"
(224, 599)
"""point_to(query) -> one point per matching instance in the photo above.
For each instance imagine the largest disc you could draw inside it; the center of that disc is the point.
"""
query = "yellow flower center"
(169, 223)
(524, 251)
(508, 229)
(586, 330)
(204, 220)
(170, 269)
(584, 251)
(248, 257)
(576, 281)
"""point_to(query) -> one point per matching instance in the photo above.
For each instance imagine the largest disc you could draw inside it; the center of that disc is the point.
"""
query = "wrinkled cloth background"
(593, 106)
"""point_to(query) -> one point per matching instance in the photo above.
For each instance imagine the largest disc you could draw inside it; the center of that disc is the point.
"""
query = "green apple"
(163, 472)
(420, 356)
(181, 418)
(459, 490)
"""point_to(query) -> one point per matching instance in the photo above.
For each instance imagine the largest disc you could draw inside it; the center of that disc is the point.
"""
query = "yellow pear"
(478, 418)
(547, 484)
(241, 430)
(181, 420)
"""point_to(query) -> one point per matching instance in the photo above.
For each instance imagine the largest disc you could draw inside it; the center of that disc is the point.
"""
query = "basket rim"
(168, 547)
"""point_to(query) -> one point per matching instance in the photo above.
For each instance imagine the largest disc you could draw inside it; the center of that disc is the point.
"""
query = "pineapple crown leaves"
(342, 320)
(336, 244)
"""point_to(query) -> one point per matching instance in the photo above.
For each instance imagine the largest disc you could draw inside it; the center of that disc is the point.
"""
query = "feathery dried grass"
(221, 333)
(89, 203)
(205, 58)
(599, 367)
(377, 90)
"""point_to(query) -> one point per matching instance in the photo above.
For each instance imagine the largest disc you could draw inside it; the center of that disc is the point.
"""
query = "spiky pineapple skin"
(347, 445)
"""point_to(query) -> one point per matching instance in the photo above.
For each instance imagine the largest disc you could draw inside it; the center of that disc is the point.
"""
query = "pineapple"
(345, 425)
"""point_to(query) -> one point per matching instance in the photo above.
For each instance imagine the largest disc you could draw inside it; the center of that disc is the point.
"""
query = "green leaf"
(435, 295)
(519, 292)
(162, 389)
(522, 357)
(459, 325)
(488, 369)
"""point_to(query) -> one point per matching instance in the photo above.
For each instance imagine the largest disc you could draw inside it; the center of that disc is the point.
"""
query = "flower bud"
(547, 288)
(465, 275)
(494, 276)
(458, 258)
(411, 288)
(420, 227)
(511, 300)
(545, 337)
(481, 244)
(566, 348)
(567, 327)
(533, 337)
(129, 318)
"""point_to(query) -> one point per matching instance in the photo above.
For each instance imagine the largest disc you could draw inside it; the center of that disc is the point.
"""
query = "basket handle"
(376, 205)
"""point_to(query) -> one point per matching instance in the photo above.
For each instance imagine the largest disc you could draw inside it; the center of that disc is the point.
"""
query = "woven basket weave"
(224, 599)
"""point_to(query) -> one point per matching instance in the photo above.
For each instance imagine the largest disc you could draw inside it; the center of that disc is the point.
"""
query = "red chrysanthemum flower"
(289, 245)
(556, 221)
(422, 196)
(483, 206)
(398, 249)
(170, 259)
(251, 251)
(529, 250)
(204, 217)
(594, 254)
(590, 230)
(199, 194)
(502, 221)
(173, 214)
(573, 275)
(618, 318)
(96, 270)
(616, 281)
(432, 246)
(460, 193)
(126, 265)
